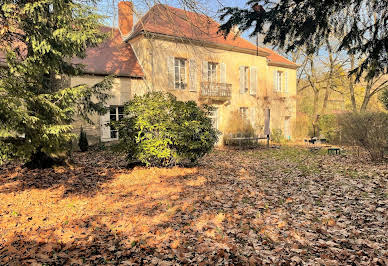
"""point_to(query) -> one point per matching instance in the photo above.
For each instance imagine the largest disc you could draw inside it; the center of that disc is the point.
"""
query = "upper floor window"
(180, 73)
(212, 72)
(248, 80)
(280, 81)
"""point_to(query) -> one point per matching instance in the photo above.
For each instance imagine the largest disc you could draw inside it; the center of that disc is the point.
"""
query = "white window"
(279, 80)
(212, 72)
(180, 73)
(214, 117)
(244, 112)
(248, 80)
(116, 113)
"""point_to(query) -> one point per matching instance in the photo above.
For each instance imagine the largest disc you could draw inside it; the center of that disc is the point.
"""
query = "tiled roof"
(113, 56)
(177, 22)
(171, 21)
(276, 58)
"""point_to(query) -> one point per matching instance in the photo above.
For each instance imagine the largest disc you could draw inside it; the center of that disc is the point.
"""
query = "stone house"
(180, 52)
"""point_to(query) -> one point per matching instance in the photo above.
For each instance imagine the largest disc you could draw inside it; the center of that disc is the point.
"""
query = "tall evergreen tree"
(39, 39)
(290, 24)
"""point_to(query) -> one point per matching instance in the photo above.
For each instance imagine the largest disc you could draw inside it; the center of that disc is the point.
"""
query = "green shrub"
(83, 141)
(159, 130)
(368, 130)
(328, 127)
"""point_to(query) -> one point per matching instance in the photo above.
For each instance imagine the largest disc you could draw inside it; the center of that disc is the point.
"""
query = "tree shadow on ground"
(84, 177)
(146, 222)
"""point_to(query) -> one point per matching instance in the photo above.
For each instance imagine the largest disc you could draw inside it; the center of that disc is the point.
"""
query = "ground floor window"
(116, 113)
(180, 74)
(214, 117)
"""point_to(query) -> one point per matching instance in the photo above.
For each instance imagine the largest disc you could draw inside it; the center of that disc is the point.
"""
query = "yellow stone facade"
(157, 56)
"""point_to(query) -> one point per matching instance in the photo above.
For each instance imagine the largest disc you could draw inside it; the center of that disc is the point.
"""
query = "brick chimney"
(125, 17)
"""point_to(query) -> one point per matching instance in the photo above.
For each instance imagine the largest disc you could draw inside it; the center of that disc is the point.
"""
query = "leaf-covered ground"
(236, 207)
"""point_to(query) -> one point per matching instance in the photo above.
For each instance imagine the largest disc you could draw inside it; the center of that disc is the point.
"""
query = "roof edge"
(108, 74)
(292, 66)
(198, 42)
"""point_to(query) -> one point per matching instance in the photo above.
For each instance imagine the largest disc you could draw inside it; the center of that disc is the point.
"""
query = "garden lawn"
(236, 207)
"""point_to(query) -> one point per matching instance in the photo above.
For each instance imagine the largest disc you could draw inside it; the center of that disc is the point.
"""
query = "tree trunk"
(367, 97)
(351, 86)
(325, 101)
(315, 112)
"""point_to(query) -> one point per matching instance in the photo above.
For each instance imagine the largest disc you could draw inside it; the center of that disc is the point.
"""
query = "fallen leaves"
(237, 207)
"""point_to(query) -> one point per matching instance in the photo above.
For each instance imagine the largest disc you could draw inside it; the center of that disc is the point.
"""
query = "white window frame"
(180, 73)
(118, 116)
(212, 69)
(213, 115)
(246, 79)
(279, 78)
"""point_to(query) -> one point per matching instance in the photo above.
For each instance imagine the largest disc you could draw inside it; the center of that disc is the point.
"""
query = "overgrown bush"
(238, 127)
(328, 127)
(159, 130)
(368, 130)
(277, 136)
(83, 141)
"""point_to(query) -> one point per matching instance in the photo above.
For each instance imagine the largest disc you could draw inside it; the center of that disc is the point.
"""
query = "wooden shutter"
(253, 85)
(104, 127)
(205, 71)
(192, 75)
(285, 82)
(223, 72)
(242, 79)
(275, 81)
(171, 72)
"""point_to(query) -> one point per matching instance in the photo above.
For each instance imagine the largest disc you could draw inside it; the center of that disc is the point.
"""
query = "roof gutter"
(292, 66)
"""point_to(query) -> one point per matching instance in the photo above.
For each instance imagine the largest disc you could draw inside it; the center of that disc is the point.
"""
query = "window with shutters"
(116, 113)
(212, 72)
(280, 81)
(180, 73)
(248, 80)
